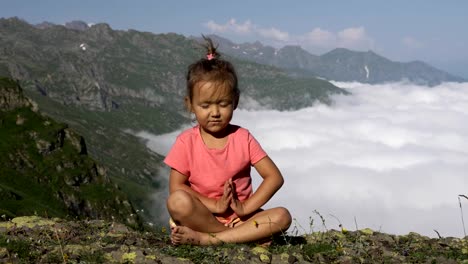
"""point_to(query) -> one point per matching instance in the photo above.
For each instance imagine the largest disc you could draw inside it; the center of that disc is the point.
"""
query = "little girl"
(211, 200)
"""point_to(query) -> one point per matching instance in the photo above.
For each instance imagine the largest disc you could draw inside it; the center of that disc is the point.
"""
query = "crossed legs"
(197, 225)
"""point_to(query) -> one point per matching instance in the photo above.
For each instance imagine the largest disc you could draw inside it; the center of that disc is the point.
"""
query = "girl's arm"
(272, 181)
(178, 181)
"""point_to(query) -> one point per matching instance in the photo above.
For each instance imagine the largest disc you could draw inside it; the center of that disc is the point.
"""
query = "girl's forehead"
(211, 90)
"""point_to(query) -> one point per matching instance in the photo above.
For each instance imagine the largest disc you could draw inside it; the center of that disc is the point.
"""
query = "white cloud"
(274, 34)
(317, 40)
(354, 38)
(319, 37)
(352, 34)
(394, 157)
(320, 40)
(246, 28)
(230, 26)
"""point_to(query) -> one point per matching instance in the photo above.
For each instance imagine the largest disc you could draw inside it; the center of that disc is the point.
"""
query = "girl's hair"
(213, 69)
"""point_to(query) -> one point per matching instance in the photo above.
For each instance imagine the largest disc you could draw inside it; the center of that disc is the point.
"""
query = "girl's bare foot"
(183, 235)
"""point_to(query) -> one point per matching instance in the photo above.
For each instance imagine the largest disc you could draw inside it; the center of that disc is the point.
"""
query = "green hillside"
(45, 169)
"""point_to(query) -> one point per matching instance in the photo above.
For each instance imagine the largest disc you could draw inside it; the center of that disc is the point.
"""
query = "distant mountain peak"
(77, 25)
(341, 51)
(294, 48)
(44, 25)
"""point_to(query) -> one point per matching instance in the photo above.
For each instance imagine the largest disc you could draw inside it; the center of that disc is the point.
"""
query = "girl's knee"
(284, 217)
(179, 202)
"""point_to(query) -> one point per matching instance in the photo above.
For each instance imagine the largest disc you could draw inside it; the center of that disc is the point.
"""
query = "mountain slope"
(45, 169)
(369, 67)
(104, 69)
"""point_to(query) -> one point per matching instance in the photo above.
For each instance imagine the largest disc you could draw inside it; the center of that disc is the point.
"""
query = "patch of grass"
(310, 250)
(16, 246)
(198, 254)
(52, 257)
(92, 257)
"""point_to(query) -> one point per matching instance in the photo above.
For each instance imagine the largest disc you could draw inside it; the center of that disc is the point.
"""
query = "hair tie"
(210, 56)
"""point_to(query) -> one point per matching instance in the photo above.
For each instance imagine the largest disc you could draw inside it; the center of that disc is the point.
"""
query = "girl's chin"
(214, 129)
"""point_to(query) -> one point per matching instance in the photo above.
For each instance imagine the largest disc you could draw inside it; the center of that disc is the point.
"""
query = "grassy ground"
(40, 240)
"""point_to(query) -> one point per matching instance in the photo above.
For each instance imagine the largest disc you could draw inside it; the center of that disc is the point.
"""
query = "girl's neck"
(215, 141)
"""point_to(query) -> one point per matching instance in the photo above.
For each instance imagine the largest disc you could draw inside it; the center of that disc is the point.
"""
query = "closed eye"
(225, 103)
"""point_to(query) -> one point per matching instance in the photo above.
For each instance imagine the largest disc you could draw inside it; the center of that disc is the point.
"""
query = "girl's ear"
(236, 101)
(188, 104)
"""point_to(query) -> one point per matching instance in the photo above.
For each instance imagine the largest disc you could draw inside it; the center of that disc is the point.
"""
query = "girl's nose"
(215, 110)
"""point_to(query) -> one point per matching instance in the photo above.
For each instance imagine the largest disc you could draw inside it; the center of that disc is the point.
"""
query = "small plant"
(461, 211)
(310, 250)
(311, 224)
(340, 225)
(196, 254)
(321, 218)
(64, 256)
(92, 257)
(297, 226)
(20, 248)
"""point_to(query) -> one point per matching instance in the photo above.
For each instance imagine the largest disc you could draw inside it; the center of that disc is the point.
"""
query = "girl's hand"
(236, 205)
(223, 203)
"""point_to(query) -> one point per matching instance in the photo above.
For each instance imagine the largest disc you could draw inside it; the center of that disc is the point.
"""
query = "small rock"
(262, 253)
(32, 221)
(259, 250)
(367, 231)
(3, 252)
(345, 260)
(19, 120)
(118, 228)
(129, 257)
(284, 258)
(265, 258)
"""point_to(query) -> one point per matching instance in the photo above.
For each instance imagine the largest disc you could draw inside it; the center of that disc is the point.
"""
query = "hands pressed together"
(230, 199)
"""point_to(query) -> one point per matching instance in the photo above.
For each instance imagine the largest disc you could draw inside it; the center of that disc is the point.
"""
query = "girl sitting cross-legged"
(211, 200)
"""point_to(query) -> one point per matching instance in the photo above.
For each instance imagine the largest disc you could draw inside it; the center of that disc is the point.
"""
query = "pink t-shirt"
(208, 169)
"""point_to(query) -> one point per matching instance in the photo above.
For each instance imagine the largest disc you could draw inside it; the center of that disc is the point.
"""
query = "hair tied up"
(210, 56)
(210, 49)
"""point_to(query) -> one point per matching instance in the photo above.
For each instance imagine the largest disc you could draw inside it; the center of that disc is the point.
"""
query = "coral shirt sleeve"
(256, 151)
(178, 157)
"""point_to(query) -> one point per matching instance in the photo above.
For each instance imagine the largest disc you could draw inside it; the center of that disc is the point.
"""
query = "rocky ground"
(34, 239)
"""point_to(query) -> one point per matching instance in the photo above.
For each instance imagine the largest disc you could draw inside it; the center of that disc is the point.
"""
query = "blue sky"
(431, 31)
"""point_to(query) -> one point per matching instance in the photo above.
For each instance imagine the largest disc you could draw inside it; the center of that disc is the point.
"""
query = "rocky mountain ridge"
(339, 64)
(101, 68)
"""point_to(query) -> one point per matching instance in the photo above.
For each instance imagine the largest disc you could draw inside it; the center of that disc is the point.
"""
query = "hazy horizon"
(391, 157)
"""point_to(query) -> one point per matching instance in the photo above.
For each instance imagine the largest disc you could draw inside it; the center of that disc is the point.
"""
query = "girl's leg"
(189, 211)
(261, 225)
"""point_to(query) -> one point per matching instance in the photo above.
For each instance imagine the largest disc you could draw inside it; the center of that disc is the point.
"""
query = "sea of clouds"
(391, 157)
